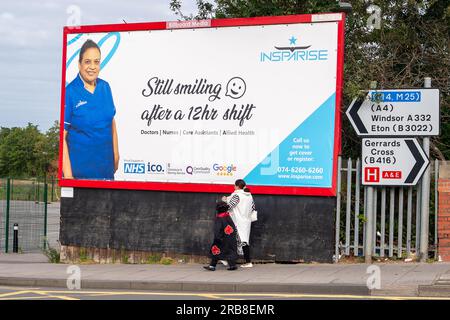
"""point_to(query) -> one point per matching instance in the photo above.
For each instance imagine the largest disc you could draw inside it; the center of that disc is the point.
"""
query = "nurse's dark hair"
(240, 183)
(87, 45)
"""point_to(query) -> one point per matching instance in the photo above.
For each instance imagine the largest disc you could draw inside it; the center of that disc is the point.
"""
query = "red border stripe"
(194, 187)
(199, 187)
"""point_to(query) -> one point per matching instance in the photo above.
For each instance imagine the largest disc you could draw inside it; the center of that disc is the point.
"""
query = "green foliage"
(158, 258)
(26, 152)
(52, 254)
(83, 256)
(362, 218)
(154, 258)
(412, 43)
(166, 261)
(124, 257)
(253, 8)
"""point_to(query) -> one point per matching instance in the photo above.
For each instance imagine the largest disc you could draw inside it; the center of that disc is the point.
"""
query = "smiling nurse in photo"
(90, 148)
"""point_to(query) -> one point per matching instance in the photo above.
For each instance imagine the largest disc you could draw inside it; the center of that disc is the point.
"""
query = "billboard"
(195, 105)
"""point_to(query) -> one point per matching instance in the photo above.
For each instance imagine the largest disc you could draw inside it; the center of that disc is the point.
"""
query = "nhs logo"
(133, 167)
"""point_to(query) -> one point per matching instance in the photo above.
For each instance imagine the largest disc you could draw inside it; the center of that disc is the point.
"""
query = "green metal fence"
(24, 202)
(54, 190)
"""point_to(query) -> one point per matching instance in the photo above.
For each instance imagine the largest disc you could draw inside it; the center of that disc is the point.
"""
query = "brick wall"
(444, 212)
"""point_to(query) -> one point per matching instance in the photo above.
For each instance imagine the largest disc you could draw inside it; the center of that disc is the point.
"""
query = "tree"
(52, 148)
(411, 43)
(18, 154)
(26, 152)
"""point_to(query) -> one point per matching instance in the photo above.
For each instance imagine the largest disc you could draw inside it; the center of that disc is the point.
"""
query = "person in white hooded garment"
(241, 207)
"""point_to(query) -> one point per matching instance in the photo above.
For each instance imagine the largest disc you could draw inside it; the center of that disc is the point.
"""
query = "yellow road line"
(337, 296)
(226, 296)
(252, 295)
(101, 294)
(124, 293)
(63, 297)
(273, 295)
(23, 298)
(47, 295)
(211, 296)
(15, 293)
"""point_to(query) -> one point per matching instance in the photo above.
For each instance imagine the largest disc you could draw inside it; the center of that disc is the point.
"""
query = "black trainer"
(210, 268)
(232, 268)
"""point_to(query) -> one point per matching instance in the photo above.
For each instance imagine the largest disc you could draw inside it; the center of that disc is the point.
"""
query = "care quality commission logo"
(197, 170)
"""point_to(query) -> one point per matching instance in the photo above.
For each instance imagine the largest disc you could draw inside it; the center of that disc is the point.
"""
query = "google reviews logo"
(224, 170)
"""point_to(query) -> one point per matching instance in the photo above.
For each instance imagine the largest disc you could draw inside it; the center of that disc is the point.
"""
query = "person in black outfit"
(224, 246)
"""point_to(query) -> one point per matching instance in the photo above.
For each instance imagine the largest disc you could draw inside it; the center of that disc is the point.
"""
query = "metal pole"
(11, 192)
(400, 223)
(374, 221)
(16, 238)
(369, 222)
(45, 215)
(53, 188)
(425, 210)
(383, 221)
(37, 184)
(357, 195)
(8, 196)
(348, 207)
(409, 222)
(418, 206)
(365, 219)
(338, 211)
(391, 222)
(436, 203)
(369, 227)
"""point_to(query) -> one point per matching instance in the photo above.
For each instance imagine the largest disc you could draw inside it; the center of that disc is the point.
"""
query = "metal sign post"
(396, 160)
(369, 227)
(425, 203)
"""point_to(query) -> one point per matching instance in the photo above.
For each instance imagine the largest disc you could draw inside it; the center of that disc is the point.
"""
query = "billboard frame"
(212, 23)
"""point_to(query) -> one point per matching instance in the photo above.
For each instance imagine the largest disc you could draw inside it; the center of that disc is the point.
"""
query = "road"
(24, 293)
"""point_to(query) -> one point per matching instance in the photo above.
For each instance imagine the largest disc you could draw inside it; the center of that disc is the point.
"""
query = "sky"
(31, 49)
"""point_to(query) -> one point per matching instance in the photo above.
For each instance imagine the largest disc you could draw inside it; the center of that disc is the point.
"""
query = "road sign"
(396, 112)
(392, 161)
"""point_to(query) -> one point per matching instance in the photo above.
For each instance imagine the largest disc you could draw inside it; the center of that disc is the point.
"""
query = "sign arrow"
(420, 161)
(352, 114)
(392, 161)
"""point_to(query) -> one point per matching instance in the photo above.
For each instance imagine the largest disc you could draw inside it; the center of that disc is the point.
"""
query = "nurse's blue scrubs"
(88, 121)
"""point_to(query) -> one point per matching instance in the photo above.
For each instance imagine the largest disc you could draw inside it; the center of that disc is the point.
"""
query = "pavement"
(396, 279)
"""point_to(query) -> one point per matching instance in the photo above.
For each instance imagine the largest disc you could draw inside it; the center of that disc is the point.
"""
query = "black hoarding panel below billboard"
(289, 228)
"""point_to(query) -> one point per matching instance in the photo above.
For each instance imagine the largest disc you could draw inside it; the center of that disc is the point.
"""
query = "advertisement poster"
(190, 108)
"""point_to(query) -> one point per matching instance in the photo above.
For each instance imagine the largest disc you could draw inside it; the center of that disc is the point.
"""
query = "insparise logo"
(293, 52)
(224, 170)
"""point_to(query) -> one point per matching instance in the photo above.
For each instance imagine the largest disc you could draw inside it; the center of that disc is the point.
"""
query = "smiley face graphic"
(236, 88)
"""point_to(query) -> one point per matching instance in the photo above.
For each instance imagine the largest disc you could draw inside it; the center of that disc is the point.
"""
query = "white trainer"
(247, 265)
(224, 262)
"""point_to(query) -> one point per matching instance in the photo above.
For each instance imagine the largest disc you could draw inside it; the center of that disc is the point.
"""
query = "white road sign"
(396, 112)
(392, 161)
